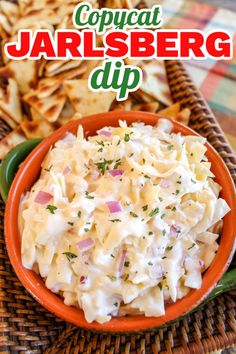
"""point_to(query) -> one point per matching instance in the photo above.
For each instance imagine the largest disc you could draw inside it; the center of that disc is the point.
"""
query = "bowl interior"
(28, 174)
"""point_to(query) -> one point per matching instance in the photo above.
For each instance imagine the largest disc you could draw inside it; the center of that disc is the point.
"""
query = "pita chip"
(184, 116)
(38, 129)
(49, 107)
(155, 81)
(25, 74)
(84, 100)
(122, 105)
(10, 141)
(171, 111)
(12, 124)
(10, 101)
(151, 107)
(53, 68)
(10, 10)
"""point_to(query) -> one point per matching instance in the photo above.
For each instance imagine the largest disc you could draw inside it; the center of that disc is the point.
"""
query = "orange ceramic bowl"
(28, 174)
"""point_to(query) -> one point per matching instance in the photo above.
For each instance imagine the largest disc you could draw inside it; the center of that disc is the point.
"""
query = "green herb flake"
(150, 233)
(51, 208)
(103, 165)
(133, 214)
(153, 212)
(127, 138)
(69, 255)
(192, 154)
(48, 169)
(115, 220)
(79, 214)
(162, 216)
(70, 223)
(117, 163)
(174, 208)
(101, 143)
(144, 161)
(170, 147)
(145, 207)
(112, 277)
(193, 244)
(112, 255)
(146, 176)
(115, 304)
(163, 257)
(88, 196)
(179, 182)
(163, 232)
(159, 285)
(192, 180)
(161, 199)
(127, 263)
(176, 192)
(132, 154)
(169, 248)
(86, 229)
(150, 263)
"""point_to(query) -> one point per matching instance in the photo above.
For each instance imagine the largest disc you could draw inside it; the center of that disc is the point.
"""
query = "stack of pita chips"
(37, 97)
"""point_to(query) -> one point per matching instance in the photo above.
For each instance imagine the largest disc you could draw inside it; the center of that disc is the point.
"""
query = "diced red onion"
(156, 272)
(83, 279)
(86, 244)
(121, 262)
(43, 198)
(175, 230)
(115, 173)
(105, 133)
(164, 183)
(67, 170)
(114, 206)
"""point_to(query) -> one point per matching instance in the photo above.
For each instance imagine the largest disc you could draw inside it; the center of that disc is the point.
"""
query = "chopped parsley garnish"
(169, 248)
(115, 304)
(48, 169)
(132, 154)
(115, 220)
(88, 196)
(176, 192)
(69, 255)
(144, 161)
(174, 208)
(117, 164)
(112, 255)
(170, 147)
(163, 257)
(150, 263)
(51, 208)
(161, 199)
(192, 154)
(146, 176)
(179, 182)
(79, 214)
(119, 141)
(163, 232)
(133, 214)
(192, 180)
(112, 277)
(86, 229)
(159, 285)
(145, 207)
(193, 244)
(127, 138)
(103, 165)
(70, 223)
(127, 263)
(101, 143)
(162, 216)
(150, 233)
(153, 212)
(100, 150)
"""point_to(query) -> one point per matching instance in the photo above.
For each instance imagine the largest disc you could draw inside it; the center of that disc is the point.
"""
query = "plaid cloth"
(215, 79)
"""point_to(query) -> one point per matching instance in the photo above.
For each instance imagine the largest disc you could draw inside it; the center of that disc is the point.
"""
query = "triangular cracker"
(10, 101)
(10, 141)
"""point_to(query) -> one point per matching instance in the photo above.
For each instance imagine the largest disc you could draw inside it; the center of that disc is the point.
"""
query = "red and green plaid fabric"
(216, 79)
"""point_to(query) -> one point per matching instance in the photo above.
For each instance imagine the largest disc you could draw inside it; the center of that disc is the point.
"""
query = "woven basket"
(28, 328)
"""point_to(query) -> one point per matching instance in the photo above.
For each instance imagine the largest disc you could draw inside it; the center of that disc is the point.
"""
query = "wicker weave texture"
(26, 327)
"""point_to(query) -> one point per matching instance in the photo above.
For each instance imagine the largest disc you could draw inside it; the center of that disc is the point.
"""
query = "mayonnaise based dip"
(119, 223)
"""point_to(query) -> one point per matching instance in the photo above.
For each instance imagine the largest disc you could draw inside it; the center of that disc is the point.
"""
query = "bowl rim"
(34, 283)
